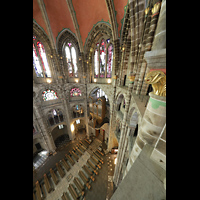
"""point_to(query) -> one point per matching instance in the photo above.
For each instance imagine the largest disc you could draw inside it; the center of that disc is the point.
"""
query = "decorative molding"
(75, 22)
(47, 23)
(94, 25)
(112, 15)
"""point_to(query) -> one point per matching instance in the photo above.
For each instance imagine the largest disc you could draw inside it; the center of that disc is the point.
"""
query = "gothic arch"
(66, 36)
(98, 30)
(40, 33)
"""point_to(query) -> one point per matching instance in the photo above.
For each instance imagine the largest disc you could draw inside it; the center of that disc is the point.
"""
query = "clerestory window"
(71, 59)
(40, 62)
(103, 59)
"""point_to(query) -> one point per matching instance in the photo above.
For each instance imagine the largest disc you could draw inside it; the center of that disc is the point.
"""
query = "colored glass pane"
(109, 61)
(96, 64)
(36, 63)
(43, 59)
(49, 95)
(69, 62)
(75, 92)
(102, 58)
(74, 62)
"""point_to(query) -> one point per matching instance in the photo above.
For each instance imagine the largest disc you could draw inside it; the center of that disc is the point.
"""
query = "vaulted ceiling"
(78, 15)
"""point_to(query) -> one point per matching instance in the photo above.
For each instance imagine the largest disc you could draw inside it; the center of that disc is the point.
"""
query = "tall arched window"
(103, 59)
(71, 59)
(40, 62)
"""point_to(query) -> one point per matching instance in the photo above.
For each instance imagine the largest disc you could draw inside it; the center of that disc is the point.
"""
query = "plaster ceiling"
(87, 14)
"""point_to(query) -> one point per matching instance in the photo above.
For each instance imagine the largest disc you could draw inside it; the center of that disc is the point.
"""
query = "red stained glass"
(75, 92)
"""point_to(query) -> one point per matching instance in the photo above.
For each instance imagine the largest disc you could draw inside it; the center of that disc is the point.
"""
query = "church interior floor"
(102, 187)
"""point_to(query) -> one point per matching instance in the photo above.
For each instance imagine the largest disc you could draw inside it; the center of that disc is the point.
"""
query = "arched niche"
(60, 135)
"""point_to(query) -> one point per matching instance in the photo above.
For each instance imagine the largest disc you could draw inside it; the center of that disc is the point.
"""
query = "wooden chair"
(54, 177)
(87, 141)
(100, 152)
(95, 162)
(94, 156)
(78, 183)
(89, 173)
(73, 192)
(81, 148)
(79, 152)
(65, 164)
(43, 191)
(83, 145)
(39, 194)
(80, 189)
(70, 159)
(34, 196)
(60, 170)
(85, 180)
(74, 155)
(47, 184)
(91, 164)
(93, 170)
(65, 196)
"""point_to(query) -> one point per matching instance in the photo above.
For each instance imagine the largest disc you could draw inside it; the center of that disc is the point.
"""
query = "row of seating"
(39, 188)
(81, 183)
(78, 191)
(86, 175)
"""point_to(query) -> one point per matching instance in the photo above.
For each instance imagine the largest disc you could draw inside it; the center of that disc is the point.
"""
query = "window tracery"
(75, 92)
(103, 59)
(71, 60)
(49, 95)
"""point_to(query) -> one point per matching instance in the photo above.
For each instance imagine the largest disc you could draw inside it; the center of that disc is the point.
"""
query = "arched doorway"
(80, 129)
(60, 135)
(99, 108)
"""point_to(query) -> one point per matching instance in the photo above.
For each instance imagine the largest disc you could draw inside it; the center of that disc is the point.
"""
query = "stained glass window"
(49, 95)
(96, 64)
(36, 63)
(75, 92)
(69, 63)
(102, 58)
(40, 62)
(109, 61)
(71, 60)
(43, 59)
(74, 61)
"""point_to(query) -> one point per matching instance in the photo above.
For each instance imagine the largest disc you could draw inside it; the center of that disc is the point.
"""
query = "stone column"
(160, 34)
(152, 124)
(155, 55)
(123, 136)
(44, 129)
